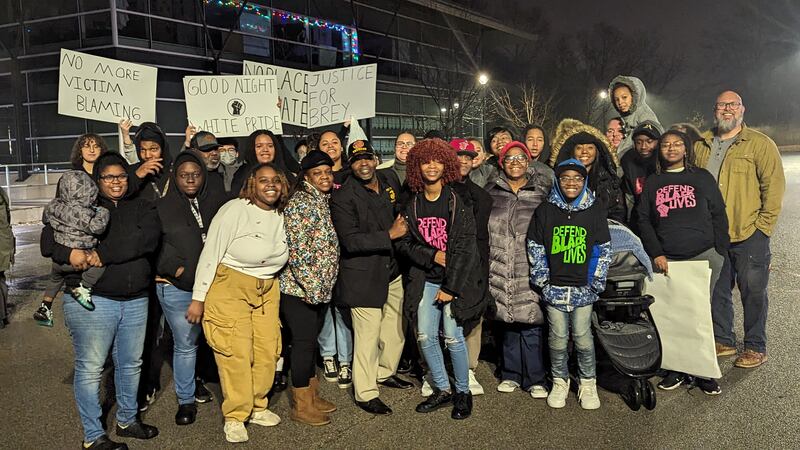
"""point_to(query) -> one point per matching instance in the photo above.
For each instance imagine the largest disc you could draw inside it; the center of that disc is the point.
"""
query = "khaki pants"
(474, 344)
(377, 343)
(242, 327)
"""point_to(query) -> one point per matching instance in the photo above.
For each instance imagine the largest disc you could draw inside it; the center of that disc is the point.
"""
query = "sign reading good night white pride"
(104, 89)
(318, 99)
(233, 105)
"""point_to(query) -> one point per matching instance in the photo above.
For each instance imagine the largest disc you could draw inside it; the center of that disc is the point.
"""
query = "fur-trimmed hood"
(569, 128)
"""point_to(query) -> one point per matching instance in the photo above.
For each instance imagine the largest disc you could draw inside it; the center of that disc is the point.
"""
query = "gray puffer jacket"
(639, 112)
(509, 272)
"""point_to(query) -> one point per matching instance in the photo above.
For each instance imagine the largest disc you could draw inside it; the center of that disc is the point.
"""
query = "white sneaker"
(265, 418)
(538, 391)
(475, 388)
(558, 395)
(235, 432)
(427, 390)
(507, 386)
(587, 394)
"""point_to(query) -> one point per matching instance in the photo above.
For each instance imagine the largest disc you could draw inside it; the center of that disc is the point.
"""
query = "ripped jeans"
(429, 315)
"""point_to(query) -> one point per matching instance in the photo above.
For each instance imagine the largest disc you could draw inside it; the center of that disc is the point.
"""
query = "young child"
(569, 247)
(76, 221)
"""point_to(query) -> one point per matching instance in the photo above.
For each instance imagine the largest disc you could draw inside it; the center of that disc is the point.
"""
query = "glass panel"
(51, 8)
(53, 34)
(43, 86)
(176, 9)
(45, 121)
(177, 33)
(97, 26)
(290, 30)
(134, 5)
(10, 36)
(52, 150)
(9, 12)
(93, 5)
(133, 26)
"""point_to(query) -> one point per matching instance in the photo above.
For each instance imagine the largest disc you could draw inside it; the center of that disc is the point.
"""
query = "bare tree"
(523, 105)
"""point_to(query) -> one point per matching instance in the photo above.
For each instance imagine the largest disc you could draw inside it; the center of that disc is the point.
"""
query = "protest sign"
(338, 94)
(104, 89)
(291, 87)
(232, 105)
(318, 99)
(682, 312)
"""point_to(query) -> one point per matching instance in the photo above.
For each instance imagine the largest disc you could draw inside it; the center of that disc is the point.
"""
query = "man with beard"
(363, 213)
(640, 164)
(208, 147)
(748, 168)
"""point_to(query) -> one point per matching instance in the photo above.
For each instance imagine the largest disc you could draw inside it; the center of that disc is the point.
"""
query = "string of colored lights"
(267, 14)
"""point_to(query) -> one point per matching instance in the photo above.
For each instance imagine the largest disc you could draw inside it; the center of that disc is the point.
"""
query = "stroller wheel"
(648, 395)
(633, 396)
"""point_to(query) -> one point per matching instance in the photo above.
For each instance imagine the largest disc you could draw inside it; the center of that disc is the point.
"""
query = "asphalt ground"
(758, 408)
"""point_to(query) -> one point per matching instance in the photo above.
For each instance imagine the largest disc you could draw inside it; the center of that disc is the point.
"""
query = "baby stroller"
(624, 326)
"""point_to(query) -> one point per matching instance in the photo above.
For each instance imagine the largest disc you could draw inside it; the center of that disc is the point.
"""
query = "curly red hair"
(428, 150)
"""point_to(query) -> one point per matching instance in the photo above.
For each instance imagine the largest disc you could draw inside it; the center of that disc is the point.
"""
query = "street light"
(455, 105)
(483, 79)
(602, 94)
(444, 110)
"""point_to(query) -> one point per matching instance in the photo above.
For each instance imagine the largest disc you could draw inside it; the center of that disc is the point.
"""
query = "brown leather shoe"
(319, 402)
(724, 350)
(303, 409)
(750, 359)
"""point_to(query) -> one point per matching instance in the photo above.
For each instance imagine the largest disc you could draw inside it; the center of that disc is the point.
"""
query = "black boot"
(186, 414)
(104, 443)
(435, 401)
(462, 405)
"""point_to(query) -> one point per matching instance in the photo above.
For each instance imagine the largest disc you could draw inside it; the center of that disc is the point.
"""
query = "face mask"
(227, 158)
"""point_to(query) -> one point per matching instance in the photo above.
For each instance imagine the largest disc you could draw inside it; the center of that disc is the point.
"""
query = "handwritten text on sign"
(291, 87)
(92, 87)
(317, 99)
(336, 95)
(233, 105)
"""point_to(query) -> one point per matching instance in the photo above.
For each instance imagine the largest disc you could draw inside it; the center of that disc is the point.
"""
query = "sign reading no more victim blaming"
(104, 89)
(233, 105)
(318, 99)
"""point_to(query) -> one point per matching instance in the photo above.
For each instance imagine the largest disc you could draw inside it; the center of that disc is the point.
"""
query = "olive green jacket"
(751, 181)
(7, 242)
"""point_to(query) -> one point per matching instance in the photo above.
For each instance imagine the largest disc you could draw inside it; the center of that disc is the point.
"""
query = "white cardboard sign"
(318, 99)
(104, 89)
(232, 105)
(291, 87)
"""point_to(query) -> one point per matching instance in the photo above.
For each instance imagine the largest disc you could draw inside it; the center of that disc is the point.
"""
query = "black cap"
(359, 150)
(647, 128)
(315, 158)
(204, 141)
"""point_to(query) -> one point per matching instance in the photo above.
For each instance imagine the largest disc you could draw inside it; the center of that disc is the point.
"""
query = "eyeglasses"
(669, 145)
(404, 144)
(112, 178)
(733, 106)
(515, 159)
(566, 180)
(189, 175)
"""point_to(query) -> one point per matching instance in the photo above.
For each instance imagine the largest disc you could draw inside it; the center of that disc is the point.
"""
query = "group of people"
(275, 263)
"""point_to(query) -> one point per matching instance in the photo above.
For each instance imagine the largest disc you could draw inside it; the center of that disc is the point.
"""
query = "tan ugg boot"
(303, 409)
(321, 404)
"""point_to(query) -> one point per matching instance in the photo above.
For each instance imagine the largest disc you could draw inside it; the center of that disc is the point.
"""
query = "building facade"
(409, 39)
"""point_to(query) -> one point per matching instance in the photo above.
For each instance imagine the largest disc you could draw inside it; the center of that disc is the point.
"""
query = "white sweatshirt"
(245, 238)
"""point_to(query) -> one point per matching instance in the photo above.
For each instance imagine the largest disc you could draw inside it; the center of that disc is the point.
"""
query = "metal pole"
(8, 185)
(45, 174)
(114, 24)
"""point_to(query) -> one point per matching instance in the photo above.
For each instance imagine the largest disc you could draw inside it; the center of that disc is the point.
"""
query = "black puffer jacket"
(131, 237)
(151, 187)
(181, 235)
(463, 273)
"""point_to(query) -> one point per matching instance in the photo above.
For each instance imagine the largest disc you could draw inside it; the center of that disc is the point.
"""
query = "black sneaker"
(186, 414)
(462, 405)
(671, 381)
(404, 367)
(44, 315)
(435, 401)
(104, 443)
(708, 386)
(345, 377)
(147, 399)
(329, 370)
(137, 430)
(201, 392)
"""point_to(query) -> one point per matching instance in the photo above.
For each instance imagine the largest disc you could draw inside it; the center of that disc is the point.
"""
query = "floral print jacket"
(313, 247)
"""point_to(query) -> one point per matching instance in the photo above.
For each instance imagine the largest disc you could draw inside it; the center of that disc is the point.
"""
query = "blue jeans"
(581, 320)
(429, 315)
(117, 327)
(747, 266)
(174, 303)
(335, 339)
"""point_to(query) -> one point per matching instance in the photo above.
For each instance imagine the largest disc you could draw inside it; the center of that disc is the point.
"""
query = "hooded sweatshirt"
(184, 225)
(151, 187)
(639, 112)
(569, 248)
(75, 219)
